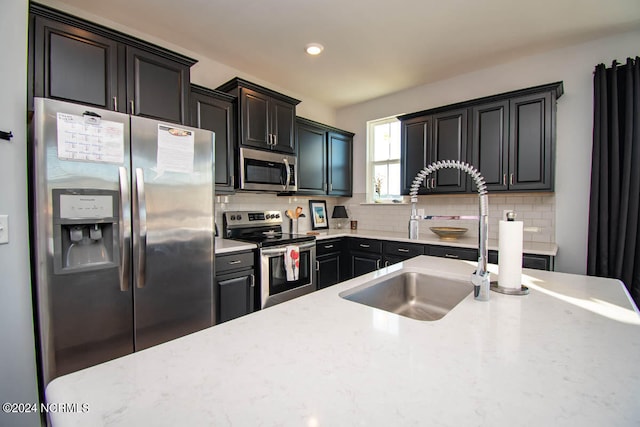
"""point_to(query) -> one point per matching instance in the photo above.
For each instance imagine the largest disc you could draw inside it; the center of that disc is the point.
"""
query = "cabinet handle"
(426, 183)
(433, 183)
(317, 265)
(362, 245)
(232, 180)
(511, 179)
(377, 264)
(386, 263)
(330, 187)
(133, 111)
(324, 186)
(504, 179)
(403, 250)
(115, 103)
(275, 139)
(253, 280)
(328, 246)
(234, 262)
(451, 256)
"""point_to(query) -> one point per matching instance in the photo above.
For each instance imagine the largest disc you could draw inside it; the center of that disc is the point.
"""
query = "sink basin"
(410, 294)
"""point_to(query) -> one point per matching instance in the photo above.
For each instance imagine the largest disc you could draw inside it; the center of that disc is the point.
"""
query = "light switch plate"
(4, 229)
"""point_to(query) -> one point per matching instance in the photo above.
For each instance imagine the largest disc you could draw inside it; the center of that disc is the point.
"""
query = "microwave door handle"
(286, 165)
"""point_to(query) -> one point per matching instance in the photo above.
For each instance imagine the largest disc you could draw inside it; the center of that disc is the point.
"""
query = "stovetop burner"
(263, 228)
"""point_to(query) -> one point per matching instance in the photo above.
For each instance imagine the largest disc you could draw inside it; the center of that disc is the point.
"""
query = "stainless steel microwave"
(267, 171)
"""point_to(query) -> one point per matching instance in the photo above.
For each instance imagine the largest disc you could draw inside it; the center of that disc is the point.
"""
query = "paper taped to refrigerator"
(89, 139)
(175, 150)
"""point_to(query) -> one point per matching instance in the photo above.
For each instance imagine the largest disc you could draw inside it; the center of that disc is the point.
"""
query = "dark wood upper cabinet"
(71, 64)
(429, 138)
(325, 159)
(266, 118)
(530, 147)
(215, 111)
(312, 158)
(449, 143)
(78, 61)
(490, 143)
(157, 87)
(508, 137)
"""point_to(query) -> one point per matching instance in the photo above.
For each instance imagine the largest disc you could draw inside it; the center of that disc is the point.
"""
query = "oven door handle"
(282, 250)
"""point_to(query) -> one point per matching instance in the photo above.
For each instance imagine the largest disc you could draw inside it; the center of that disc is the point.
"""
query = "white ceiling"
(372, 47)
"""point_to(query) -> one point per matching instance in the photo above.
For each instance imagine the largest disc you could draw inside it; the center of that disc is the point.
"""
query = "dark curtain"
(614, 235)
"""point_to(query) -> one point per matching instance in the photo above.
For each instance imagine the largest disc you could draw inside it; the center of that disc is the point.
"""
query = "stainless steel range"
(264, 228)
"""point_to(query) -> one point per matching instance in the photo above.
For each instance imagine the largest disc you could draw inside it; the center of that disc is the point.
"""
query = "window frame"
(372, 163)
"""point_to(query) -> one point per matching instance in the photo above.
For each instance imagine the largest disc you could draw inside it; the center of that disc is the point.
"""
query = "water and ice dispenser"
(85, 230)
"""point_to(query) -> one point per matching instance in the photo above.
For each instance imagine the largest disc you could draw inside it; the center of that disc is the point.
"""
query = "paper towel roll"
(510, 254)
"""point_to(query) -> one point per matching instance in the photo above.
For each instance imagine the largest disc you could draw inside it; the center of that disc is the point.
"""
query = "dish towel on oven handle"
(292, 262)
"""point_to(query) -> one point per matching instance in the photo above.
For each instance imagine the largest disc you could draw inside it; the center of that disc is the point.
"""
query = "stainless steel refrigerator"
(123, 233)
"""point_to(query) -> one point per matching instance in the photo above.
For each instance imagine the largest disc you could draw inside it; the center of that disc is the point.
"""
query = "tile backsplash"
(536, 210)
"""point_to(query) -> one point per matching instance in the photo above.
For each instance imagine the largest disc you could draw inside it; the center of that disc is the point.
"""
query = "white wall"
(573, 65)
(17, 357)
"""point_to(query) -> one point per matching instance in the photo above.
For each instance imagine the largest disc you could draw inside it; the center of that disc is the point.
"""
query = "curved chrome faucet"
(480, 278)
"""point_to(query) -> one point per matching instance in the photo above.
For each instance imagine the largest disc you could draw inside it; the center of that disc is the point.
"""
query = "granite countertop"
(428, 238)
(566, 354)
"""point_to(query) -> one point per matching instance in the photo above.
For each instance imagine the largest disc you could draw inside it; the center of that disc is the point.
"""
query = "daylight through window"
(384, 159)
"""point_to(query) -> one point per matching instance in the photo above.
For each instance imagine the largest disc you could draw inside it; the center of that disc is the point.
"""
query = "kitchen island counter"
(566, 354)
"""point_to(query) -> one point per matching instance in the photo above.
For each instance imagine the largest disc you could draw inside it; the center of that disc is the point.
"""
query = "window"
(383, 168)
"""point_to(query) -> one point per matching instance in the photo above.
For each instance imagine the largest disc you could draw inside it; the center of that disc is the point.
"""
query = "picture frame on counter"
(319, 217)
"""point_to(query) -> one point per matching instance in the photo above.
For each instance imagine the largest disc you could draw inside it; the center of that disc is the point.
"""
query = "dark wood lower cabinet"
(327, 270)
(235, 285)
(236, 295)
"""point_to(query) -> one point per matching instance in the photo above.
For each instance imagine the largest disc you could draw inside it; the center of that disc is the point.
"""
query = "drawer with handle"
(365, 245)
(453, 253)
(234, 261)
(328, 246)
(404, 250)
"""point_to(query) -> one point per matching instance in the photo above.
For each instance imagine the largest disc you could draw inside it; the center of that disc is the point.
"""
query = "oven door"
(261, 170)
(275, 287)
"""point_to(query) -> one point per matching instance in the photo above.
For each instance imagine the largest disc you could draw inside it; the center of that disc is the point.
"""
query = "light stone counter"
(429, 238)
(564, 355)
(224, 246)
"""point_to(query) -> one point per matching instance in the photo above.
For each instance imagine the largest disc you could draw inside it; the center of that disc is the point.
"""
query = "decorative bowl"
(449, 233)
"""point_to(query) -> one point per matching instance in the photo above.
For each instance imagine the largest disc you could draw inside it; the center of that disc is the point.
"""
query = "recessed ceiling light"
(314, 48)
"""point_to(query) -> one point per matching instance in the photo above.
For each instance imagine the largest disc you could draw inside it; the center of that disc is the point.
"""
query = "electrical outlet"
(4, 229)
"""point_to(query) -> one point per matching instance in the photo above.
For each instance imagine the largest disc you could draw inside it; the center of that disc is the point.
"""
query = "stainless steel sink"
(415, 295)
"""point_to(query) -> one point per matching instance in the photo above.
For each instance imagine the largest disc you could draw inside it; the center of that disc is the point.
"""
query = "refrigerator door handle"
(124, 230)
(141, 212)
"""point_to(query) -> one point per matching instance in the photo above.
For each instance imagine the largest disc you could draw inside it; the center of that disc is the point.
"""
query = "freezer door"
(173, 230)
(81, 226)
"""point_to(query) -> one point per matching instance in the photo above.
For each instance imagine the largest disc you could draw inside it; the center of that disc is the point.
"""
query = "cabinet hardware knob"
(234, 262)
(403, 250)
(362, 245)
(133, 111)
(115, 103)
(451, 256)
(511, 179)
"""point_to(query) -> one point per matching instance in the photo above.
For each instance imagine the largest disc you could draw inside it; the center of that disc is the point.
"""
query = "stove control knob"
(238, 217)
(233, 217)
(268, 216)
(277, 215)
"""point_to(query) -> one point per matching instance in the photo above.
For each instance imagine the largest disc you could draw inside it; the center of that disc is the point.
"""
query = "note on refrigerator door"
(88, 138)
(175, 150)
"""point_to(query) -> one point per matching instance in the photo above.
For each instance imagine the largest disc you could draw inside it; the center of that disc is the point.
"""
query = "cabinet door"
(328, 270)
(156, 86)
(449, 143)
(236, 295)
(312, 160)
(75, 65)
(490, 142)
(340, 172)
(283, 116)
(254, 119)
(362, 263)
(217, 115)
(416, 134)
(530, 160)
